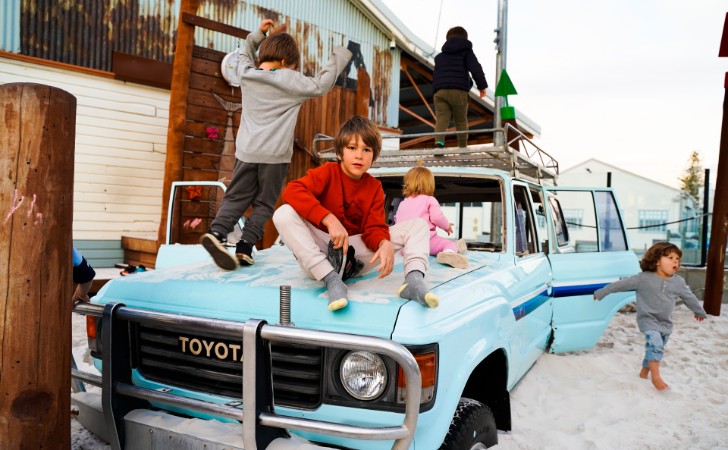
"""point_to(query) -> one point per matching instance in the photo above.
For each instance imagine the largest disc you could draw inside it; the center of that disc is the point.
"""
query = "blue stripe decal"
(583, 289)
(529, 306)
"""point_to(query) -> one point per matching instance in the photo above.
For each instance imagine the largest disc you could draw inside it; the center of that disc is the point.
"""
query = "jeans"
(654, 346)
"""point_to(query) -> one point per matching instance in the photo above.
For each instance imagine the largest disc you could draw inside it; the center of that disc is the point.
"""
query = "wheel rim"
(478, 446)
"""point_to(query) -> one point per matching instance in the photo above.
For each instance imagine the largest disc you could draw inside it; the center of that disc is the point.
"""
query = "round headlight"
(363, 375)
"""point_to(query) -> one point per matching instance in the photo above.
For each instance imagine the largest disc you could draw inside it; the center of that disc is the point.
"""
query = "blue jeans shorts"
(654, 346)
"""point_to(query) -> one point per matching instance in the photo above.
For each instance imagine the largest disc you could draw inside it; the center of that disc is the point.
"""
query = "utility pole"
(501, 41)
(719, 232)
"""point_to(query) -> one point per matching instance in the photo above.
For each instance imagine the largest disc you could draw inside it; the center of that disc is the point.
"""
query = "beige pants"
(310, 245)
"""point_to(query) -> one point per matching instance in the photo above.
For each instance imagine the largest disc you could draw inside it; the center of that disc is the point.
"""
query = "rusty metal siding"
(87, 32)
(318, 26)
(10, 26)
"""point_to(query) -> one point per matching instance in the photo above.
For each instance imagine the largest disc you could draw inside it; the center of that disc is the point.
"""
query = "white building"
(652, 211)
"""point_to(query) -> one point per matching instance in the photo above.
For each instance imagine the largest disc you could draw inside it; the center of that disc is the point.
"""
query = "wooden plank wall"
(121, 135)
(207, 156)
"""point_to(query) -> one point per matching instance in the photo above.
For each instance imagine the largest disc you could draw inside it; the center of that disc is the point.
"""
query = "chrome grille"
(158, 356)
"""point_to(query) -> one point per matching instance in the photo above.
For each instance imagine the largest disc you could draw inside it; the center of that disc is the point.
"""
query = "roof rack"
(518, 155)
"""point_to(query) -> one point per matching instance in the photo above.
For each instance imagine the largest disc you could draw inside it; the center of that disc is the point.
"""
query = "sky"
(637, 84)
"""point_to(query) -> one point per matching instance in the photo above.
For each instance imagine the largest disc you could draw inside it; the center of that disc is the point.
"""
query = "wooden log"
(177, 109)
(36, 209)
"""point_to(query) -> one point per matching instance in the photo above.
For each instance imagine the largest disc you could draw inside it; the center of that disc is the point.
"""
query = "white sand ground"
(594, 399)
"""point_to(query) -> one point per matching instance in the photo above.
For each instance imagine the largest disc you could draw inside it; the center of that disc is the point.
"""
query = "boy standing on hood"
(451, 83)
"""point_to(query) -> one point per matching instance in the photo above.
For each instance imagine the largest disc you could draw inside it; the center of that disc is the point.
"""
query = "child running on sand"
(657, 287)
(419, 186)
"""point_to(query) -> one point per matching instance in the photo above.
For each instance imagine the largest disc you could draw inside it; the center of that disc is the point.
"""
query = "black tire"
(472, 424)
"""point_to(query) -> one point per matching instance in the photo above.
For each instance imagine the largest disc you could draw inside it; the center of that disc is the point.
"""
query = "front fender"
(468, 331)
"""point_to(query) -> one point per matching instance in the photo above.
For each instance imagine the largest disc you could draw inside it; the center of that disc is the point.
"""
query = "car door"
(588, 249)
(529, 282)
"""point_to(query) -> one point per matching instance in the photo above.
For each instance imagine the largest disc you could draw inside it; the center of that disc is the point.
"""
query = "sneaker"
(335, 257)
(348, 268)
(453, 259)
(439, 144)
(213, 243)
(352, 267)
(244, 253)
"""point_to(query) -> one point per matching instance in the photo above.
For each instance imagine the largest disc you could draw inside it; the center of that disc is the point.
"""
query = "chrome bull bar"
(260, 424)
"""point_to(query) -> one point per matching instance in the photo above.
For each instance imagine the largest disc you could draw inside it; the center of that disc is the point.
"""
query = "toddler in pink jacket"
(419, 186)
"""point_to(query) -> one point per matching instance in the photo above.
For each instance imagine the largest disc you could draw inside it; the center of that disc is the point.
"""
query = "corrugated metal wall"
(86, 32)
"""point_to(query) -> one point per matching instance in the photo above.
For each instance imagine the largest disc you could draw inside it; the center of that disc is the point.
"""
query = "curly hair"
(653, 254)
(419, 180)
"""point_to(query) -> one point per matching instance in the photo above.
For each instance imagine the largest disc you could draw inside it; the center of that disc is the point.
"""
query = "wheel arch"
(488, 383)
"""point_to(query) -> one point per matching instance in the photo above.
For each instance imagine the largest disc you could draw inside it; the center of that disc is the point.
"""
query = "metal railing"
(260, 423)
(519, 156)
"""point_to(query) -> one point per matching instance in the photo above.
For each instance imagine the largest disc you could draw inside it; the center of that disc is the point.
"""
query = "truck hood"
(202, 289)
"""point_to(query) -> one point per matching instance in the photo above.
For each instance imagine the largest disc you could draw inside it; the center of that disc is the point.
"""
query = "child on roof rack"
(418, 190)
(336, 211)
(451, 83)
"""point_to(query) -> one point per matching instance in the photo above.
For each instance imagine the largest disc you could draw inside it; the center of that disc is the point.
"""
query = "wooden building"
(116, 58)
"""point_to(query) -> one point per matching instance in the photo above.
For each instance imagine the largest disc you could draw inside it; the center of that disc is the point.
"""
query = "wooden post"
(719, 230)
(177, 109)
(36, 213)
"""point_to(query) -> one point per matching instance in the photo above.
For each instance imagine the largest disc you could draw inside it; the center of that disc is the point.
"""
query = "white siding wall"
(121, 135)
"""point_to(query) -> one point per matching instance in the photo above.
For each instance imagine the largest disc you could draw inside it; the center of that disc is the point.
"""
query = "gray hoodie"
(271, 101)
(656, 297)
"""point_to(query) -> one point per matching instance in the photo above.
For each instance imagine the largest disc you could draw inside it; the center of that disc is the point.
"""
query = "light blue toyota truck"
(190, 355)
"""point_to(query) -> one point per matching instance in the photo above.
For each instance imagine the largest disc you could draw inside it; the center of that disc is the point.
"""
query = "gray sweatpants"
(258, 185)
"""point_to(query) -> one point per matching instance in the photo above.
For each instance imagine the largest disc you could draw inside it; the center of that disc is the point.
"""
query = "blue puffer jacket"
(455, 64)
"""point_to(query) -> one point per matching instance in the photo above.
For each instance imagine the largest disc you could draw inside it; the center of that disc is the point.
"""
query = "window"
(652, 220)
(560, 226)
(574, 218)
(474, 205)
(481, 225)
(540, 215)
(525, 237)
(579, 213)
(611, 234)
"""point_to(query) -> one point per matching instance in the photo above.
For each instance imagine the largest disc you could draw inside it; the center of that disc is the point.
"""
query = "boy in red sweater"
(341, 204)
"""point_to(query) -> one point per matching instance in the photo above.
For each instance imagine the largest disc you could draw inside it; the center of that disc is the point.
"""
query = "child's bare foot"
(654, 368)
(660, 385)
(644, 372)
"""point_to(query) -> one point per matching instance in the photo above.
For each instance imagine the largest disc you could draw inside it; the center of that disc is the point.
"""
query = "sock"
(414, 288)
(336, 290)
